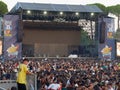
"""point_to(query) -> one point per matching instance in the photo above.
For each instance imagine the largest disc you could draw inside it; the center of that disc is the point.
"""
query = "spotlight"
(45, 12)
(76, 13)
(61, 13)
(28, 12)
(92, 14)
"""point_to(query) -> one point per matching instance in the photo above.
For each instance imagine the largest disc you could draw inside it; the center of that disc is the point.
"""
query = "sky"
(11, 3)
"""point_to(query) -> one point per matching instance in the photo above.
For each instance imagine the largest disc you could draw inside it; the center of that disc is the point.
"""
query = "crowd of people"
(68, 74)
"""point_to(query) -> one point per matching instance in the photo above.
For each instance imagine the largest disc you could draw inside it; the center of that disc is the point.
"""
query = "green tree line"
(3, 8)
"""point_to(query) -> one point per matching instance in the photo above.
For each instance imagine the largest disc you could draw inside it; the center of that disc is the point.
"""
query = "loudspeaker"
(20, 31)
(102, 32)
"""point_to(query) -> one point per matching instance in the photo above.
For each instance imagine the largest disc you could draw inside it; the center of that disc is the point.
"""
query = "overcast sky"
(11, 3)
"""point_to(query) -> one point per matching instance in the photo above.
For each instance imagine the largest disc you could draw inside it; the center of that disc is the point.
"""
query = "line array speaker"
(102, 32)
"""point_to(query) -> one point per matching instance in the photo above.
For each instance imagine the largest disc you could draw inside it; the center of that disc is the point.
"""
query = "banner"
(106, 50)
(12, 49)
(0, 26)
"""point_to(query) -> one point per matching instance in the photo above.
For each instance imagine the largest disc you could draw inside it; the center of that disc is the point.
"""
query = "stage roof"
(55, 7)
(55, 12)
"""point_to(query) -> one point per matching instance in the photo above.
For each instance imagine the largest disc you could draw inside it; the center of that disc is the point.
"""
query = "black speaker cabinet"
(20, 31)
(102, 32)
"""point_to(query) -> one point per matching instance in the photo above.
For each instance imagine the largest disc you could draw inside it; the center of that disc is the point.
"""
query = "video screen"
(0, 47)
(118, 48)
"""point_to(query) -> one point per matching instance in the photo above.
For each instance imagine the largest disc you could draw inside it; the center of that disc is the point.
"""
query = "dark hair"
(25, 60)
(13, 88)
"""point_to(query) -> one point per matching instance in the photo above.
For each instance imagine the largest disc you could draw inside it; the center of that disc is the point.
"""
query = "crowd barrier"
(81, 58)
(7, 84)
(2, 88)
(31, 83)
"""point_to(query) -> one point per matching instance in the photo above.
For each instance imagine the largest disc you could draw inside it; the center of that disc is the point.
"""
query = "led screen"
(0, 47)
(118, 48)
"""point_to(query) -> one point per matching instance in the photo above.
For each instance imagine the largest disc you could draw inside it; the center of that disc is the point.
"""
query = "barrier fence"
(32, 82)
(57, 57)
(8, 84)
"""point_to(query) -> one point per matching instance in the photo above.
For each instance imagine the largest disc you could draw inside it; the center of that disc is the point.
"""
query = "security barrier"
(7, 84)
(2, 88)
(31, 83)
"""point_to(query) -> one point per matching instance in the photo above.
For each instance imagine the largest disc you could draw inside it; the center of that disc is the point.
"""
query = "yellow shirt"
(22, 74)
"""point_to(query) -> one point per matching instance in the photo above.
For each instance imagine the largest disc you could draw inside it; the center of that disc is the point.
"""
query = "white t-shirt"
(54, 86)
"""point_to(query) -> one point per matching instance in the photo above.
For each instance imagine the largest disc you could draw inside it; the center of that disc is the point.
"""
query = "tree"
(115, 10)
(87, 43)
(101, 6)
(85, 40)
(117, 35)
(3, 8)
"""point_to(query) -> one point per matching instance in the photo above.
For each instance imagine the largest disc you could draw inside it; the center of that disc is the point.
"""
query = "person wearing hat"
(22, 73)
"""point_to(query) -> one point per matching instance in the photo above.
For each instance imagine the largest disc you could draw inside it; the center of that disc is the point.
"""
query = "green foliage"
(101, 6)
(85, 39)
(114, 9)
(3, 8)
(117, 35)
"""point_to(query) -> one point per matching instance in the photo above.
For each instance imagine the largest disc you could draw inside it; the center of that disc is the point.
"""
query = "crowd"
(68, 74)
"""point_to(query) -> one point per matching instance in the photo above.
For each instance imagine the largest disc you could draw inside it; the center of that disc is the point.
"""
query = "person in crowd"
(22, 72)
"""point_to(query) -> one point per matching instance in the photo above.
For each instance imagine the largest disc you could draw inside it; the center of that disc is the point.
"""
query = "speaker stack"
(102, 32)
(20, 31)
